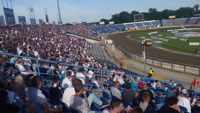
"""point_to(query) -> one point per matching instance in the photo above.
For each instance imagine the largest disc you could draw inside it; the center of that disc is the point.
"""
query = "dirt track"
(135, 47)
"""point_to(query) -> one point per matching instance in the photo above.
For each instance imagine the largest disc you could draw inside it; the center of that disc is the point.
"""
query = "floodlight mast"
(60, 19)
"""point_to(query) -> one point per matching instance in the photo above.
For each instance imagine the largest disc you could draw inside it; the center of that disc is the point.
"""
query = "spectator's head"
(145, 87)
(136, 110)
(78, 85)
(172, 102)
(116, 84)
(17, 83)
(69, 74)
(106, 86)
(128, 86)
(56, 79)
(36, 81)
(116, 106)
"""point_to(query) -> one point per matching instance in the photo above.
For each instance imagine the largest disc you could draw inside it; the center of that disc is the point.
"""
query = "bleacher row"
(103, 29)
(181, 21)
(98, 30)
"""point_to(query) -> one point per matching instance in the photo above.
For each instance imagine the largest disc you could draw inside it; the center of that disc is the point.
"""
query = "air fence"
(36, 66)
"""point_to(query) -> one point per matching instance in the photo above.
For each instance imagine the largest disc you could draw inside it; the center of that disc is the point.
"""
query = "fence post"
(199, 71)
(102, 78)
(38, 69)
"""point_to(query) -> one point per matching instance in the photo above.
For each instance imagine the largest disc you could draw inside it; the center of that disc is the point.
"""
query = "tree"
(152, 10)
(184, 12)
(105, 21)
(154, 14)
(122, 17)
(196, 8)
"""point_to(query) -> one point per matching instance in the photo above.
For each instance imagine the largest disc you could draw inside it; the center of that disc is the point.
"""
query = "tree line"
(154, 14)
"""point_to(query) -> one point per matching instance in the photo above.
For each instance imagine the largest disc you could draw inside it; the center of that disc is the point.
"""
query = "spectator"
(183, 101)
(6, 107)
(115, 90)
(69, 92)
(151, 71)
(55, 91)
(171, 106)
(77, 102)
(145, 89)
(196, 108)
(116, 106)
(195, 83)
(128, 95)
(136, 110)
(107, 93)
(67, 81)
(37, 97)
(94, 98)
(146, 105)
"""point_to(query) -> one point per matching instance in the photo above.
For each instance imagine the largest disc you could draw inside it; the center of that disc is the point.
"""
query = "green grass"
(174, 44)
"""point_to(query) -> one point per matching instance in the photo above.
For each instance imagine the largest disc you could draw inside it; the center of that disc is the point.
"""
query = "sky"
(90, 10)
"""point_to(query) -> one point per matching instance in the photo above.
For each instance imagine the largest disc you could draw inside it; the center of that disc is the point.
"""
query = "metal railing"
(103, 73)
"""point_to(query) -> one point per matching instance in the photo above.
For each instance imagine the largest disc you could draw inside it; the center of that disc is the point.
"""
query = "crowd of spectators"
(72, 82)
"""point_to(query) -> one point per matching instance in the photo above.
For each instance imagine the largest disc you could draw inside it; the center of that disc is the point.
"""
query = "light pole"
(146, 43)
(60, 20)
(144, 56)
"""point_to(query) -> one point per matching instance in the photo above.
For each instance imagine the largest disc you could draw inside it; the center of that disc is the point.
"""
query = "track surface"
(135, 47)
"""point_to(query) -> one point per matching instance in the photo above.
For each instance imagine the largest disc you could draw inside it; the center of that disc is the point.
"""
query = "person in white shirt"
(115, 91)
(67, 95)
(67, 81)
(80, 75)
(184, 101)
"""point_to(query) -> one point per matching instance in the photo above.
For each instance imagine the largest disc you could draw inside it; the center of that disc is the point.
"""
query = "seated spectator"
(145, 89)
(76, 101)
(170, 106)
(94, 98)
(116, 106)
(136, 110)
(55, 91)
(37, 97)
(107, 93)
(67, 81)
(80, 74)
(17, 87)
(183, 101)
(128, 95)
(22, 69)
(6, 107)
(115, 90)
(196, 108)
(146, 105)
(68, 93)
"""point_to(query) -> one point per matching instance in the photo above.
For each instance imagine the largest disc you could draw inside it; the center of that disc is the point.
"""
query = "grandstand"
(55, 69)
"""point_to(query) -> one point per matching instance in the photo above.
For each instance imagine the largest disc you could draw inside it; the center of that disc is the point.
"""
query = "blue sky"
(91, 10)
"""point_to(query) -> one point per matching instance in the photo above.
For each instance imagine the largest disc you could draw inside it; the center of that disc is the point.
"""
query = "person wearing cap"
(183, 101)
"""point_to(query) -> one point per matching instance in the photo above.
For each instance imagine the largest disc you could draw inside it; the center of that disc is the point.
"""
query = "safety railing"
(37, 64)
